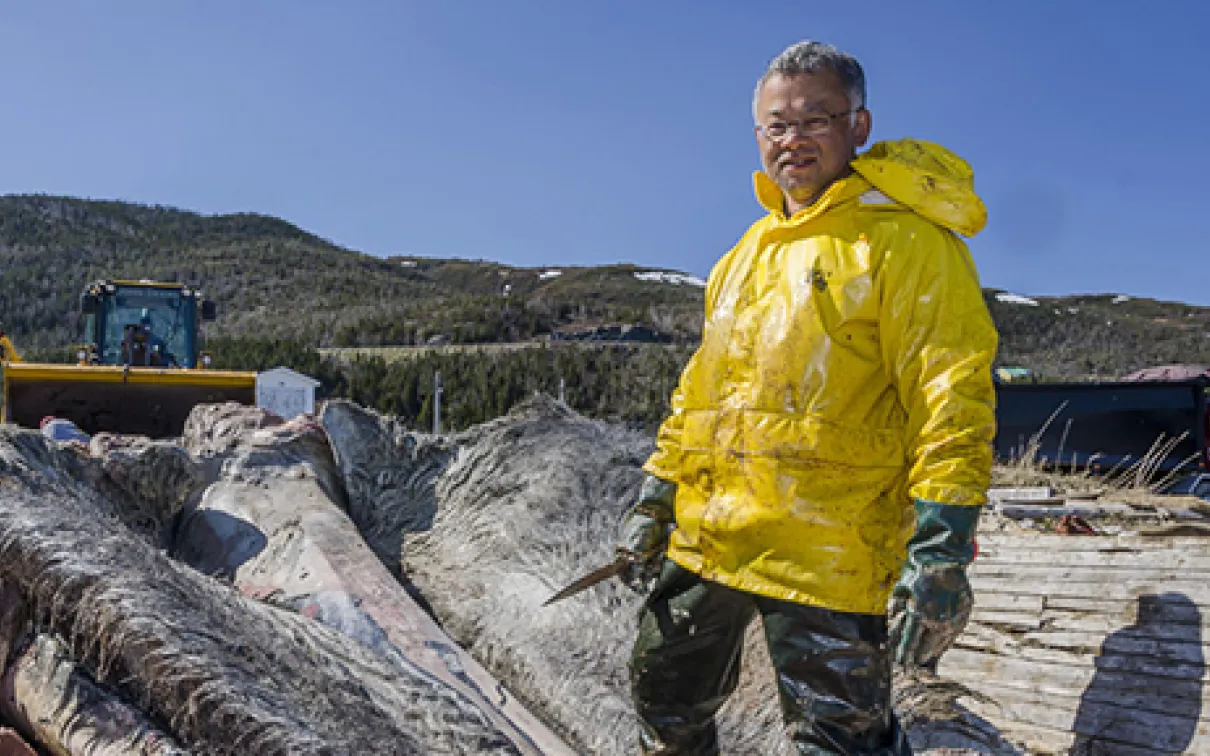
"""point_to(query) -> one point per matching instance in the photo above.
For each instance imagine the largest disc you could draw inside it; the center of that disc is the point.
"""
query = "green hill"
(273, 280)
(1101, 336)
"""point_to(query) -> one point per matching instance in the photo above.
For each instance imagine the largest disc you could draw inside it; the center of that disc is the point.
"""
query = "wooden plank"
(1153, 559)
(1059, 649)
(1020, 493)
(988, 638)
(1160, 651)
(1076, 658)
(1184, 700)
(1180, 529)
(1170, 623)
(1004, 646)
(1116, 724)
(1098, 625)
(1181, 632)
(1000, 502)
(1007, 603)
(973, 666)
(1091, 574)
(1196, 591)
(1047, 741)
(1031, 510)
(1157, 668)
(1123, 690)
(1057, 656)
(1060, 543)
(1131, 724)
(1042, 741)
(1161, 609)
(1055, 666)
(1128, 727)
(1014, 620)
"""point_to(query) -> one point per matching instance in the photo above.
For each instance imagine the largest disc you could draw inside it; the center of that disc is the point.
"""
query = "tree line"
(624, 383)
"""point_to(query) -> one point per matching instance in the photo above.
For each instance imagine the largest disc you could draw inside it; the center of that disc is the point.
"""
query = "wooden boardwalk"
(1090, 644)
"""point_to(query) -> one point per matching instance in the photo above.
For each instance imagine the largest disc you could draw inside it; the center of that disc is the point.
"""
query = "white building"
(285, 392)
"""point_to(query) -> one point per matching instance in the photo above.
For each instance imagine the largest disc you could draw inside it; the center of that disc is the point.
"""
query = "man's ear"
(861, 130)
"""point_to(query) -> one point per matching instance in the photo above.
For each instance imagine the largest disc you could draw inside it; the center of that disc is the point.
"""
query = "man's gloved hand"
(931, 603)
(643, 532)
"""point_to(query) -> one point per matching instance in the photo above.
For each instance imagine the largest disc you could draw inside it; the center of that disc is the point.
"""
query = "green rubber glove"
(931, 603)
(644, 529)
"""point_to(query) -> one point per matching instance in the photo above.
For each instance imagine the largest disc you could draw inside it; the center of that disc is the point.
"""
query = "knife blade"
(599, 575)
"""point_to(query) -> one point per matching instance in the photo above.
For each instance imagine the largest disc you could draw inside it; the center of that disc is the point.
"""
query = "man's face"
(805, 164)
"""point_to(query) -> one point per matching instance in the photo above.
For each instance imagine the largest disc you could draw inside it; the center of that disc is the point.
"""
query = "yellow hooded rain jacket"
(844, 369)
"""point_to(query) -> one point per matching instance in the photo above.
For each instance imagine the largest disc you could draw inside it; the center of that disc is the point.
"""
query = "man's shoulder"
(879, 214)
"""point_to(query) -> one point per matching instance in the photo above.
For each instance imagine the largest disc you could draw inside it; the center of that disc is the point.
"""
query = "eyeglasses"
(816, 125)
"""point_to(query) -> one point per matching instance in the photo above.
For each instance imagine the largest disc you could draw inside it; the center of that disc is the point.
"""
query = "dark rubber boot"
(834, 678)
(686, 661)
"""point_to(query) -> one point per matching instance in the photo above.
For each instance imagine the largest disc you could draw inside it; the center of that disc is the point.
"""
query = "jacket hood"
(925, 177)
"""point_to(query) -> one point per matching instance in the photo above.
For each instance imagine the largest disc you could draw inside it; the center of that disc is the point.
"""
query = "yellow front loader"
(139, 371)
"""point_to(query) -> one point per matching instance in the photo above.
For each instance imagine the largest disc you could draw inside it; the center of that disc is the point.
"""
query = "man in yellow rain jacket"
(829, 444)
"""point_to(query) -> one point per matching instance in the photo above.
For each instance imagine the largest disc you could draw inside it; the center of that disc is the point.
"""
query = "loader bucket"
(102, 398)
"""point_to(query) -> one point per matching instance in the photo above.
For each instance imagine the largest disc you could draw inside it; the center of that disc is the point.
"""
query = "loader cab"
(142, 324)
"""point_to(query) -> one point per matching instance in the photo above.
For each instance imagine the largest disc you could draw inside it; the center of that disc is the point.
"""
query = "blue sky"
(583, 133)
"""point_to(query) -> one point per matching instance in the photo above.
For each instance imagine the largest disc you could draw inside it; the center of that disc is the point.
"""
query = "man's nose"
(795, 136)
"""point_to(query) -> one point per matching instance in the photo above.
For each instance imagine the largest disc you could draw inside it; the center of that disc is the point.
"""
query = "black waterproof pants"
(833, 670)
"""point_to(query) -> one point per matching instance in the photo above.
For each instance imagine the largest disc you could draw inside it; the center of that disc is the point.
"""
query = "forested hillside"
(284, 293)
(273, 280)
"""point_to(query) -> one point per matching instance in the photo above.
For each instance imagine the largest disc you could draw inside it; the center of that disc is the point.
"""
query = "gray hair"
(810, 57)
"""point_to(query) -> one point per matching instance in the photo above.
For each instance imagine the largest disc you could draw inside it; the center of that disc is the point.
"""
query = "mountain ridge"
(273, 279)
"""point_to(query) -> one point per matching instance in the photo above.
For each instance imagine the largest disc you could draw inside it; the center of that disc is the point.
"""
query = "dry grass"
(1134, 483)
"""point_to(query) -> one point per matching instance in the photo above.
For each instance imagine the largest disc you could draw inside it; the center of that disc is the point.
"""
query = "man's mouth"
(797, 162)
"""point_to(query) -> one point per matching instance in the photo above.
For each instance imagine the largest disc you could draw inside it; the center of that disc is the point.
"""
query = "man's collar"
(771, 197)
